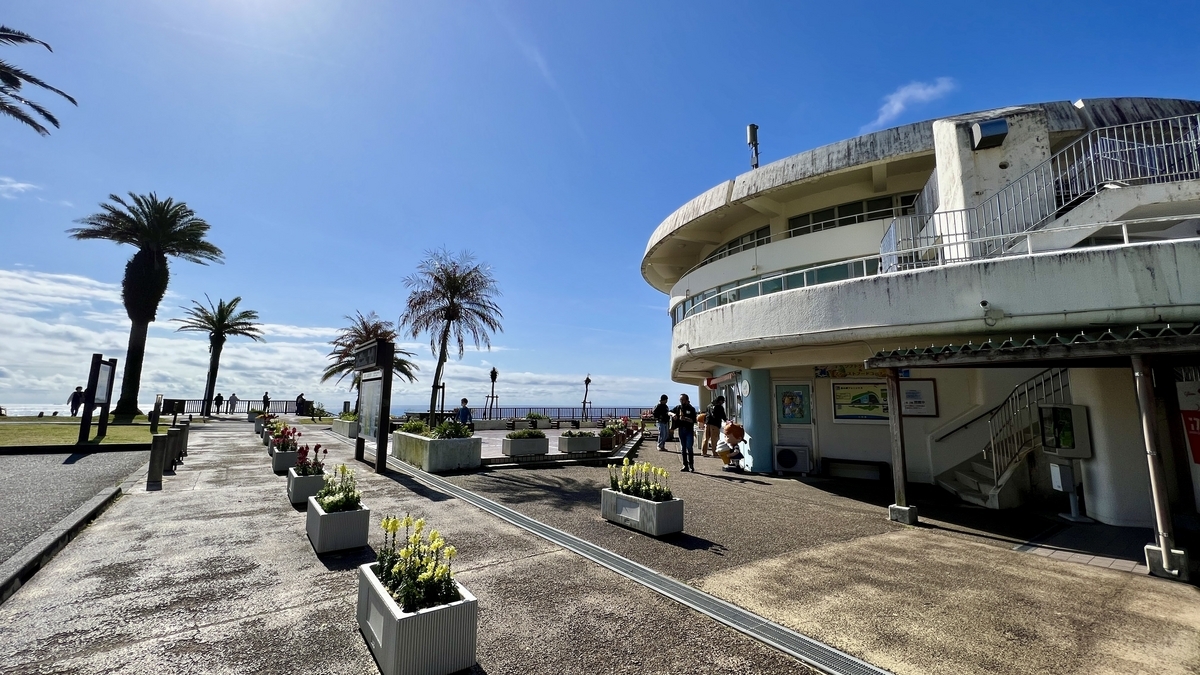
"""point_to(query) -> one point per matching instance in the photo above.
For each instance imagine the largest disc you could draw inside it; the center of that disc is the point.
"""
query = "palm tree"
(13, 78)
(451, 297)
(157, 229)
(363, 329)
(220, 322)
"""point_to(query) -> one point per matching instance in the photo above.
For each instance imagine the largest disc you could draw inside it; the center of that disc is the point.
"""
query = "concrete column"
(185, 433)
(1116, 479)
(900, 512)
(756, 414)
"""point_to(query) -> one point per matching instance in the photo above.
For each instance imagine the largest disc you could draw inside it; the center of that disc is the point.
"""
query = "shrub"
(317, 410)
(640, 480)
(535, 416)
(525, 433)
(310, 466)
(414, 427)
(450, 429)
(578, 434)
(340, 492)
(417, 574)
(607, 432)
(348, 417)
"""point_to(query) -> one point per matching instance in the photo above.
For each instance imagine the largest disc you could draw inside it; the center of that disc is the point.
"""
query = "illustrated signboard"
(793, 404)
(369, 402)
(860, 402)
(918, 398)
(103, 382)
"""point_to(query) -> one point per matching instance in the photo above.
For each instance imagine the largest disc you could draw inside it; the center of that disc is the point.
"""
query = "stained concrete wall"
(967, 177)
(1116, 480)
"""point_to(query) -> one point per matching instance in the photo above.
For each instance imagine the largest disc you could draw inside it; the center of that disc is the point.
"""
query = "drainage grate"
(816, 654)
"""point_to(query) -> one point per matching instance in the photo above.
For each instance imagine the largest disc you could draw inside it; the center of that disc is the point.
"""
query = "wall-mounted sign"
(1065, 430)
(860, 402)
(793, 404)
(851, 370)
(918, 398)
(367, 357)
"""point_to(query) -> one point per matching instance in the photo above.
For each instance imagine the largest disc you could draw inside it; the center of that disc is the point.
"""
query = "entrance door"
(795, 428)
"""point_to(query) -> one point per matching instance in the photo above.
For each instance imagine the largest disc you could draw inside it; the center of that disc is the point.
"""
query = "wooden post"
(900, 511)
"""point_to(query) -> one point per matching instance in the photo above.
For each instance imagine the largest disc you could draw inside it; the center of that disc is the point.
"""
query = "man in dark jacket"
(685, 423)
(714, 418)
(662, 417)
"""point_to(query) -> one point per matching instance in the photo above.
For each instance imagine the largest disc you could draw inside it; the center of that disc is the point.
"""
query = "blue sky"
(330, 144)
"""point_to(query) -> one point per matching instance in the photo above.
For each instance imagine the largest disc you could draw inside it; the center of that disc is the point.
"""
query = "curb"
(20, 568)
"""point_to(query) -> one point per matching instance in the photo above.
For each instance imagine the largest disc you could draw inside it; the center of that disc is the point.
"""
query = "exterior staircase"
(996, 478)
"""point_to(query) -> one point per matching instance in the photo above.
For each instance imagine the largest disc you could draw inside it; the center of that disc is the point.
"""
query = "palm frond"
(363, 329)
(164, 227)
(220, 321)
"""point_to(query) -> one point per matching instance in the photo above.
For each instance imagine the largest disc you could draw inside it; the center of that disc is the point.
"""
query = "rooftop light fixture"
(988, 133)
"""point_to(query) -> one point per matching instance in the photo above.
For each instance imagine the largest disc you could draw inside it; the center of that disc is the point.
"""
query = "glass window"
(794, 280)
(727, 295)
(906, 204)
(747, 291)
(873, 266)
(835, 273)
(822, 219)
(773, 285)
(798, 225)
(849, 214)
(879, 208)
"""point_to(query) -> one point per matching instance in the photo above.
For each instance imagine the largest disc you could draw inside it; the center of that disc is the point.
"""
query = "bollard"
(174, 438)
(186, 428)
(158, 454)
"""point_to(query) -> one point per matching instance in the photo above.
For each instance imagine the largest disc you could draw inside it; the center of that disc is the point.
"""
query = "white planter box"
(643, 515)
(258, 427)
(345, 428)
(526, 446)
(336, 531)
(300, 488)
(490, 425)
(435, 641)
(282, 461)
(571, 445)
(437, 454)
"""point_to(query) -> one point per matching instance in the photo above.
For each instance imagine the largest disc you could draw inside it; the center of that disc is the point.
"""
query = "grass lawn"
(41, 433)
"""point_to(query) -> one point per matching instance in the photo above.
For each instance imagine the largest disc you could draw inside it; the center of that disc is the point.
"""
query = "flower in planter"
(415, 569)
(578, 434)
(340, 492)
(641, 479)
(607, 432)
(310, 466)
(284, 438)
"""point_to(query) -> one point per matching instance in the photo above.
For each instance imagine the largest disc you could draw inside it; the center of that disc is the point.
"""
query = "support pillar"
(1163, 559)
(900, 512)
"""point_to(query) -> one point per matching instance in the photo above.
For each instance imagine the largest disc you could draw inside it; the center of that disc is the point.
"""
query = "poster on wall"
(860, 402)
(918, 398)
(1189, 408)
(793, 404)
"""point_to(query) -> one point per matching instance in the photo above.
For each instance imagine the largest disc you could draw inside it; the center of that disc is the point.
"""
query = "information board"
(103, 379)
(369, 393)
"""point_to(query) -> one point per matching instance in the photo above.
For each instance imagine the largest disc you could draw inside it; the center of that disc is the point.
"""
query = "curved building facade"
(1051, 222)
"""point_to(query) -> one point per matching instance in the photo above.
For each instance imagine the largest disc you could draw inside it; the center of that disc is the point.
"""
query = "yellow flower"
(406, 553)
(420, 525)
(407, 522)
(451, 552)
(437, 545)
(434, 535)
(414, 539)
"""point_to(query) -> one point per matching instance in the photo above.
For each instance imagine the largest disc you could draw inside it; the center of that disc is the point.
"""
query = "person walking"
(266, 402)
(233, 401)
(75, 400)
(714, 419)
(217, 401)
(662, 418)
(463, 415)
(685, 423)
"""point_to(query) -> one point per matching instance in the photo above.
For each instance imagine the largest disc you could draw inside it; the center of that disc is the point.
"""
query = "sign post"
(104, 389)
(377, 355)
(89, 400)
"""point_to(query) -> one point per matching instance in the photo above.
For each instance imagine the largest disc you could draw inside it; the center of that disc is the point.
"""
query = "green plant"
(535, 416)
(415, 570)
(13, 78)
(642, 479)
(348, 417)
(310, 466)
(317, 410)
(525, 433)
(256, 411)
(578, 434)
(284, 438)
(221, 322)
(340, 492)
(414, 427)
(450, 429)
(607, 432)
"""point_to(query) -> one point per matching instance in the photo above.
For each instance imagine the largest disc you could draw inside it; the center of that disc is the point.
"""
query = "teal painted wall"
(756, 411)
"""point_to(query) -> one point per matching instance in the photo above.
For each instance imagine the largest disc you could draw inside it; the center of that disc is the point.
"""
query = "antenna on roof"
(752, 141)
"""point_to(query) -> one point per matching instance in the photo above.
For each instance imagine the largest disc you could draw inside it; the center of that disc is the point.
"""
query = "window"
(851, 212)
(759, 237)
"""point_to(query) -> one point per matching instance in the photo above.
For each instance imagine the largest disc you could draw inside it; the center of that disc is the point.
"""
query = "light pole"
(492, 397)
(587, 382)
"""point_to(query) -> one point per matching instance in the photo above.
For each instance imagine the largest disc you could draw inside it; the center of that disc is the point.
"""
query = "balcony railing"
(921, 254)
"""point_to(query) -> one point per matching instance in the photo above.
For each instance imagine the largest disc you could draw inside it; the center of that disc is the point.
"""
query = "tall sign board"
(101, 378)
(375, 360)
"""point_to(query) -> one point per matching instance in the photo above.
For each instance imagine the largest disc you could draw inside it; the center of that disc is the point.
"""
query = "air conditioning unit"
(793, 459)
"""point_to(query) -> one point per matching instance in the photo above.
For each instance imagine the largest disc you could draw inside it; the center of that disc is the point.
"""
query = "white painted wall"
(967, 177)
(1116, 480)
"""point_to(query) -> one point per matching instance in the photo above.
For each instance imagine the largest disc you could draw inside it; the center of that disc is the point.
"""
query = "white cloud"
(11, 189)
(895, 103)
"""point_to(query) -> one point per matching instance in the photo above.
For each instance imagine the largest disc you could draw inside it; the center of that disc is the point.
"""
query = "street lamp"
(587, 382)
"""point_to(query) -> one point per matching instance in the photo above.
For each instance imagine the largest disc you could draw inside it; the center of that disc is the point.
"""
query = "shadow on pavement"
(693, 543)
(558, 491)
(347, 560)
(75, 457)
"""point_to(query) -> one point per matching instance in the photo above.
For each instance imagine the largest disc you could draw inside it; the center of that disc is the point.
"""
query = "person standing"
(75, 400)
(685, 424)
(463, 415)
(217, 401)
(301, 405)
(714, 419)
(266, 401)
(662, 418)
(233, 401)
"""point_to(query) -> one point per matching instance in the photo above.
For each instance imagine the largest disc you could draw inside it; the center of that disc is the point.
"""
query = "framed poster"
(918, 398)
(793, 404)
(860, 402)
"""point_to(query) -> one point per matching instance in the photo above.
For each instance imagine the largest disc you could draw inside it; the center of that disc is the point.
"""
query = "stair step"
(963, 492)
(984, 470)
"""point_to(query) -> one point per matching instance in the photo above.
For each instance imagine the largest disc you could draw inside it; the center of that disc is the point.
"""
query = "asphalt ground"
(215, 574)
(43, 489)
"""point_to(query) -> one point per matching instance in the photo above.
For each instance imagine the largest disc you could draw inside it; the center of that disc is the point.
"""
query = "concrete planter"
(571, 445)
(282, 461)
(336, 531)
(643, 515)
(345, 428)
(514, 447)
(490, 425)
(252, 416)
(437, 454)
(537, 423)
(606, 442)
(258, 427)
(300, 488)
(434, 641)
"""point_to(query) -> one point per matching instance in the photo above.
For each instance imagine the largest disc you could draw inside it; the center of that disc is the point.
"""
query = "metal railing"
(1140, 153)
(1014, 428)
(566, 413)
(923, 255)
(193, 405)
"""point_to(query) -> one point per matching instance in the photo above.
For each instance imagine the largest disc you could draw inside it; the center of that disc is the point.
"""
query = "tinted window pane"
(835, 273)
(795, 280)
(879, 208)
(819, 217)
(772, 285)
(747, 291)
(850, 213)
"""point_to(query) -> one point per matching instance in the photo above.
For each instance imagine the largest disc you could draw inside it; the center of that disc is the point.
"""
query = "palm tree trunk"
(132, 379)
(437, 374)
(210, 385)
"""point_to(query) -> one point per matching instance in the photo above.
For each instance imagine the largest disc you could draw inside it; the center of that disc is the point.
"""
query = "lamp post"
(587, 382)
(492, 397)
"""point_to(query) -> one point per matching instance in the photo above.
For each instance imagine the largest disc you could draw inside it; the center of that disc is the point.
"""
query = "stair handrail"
(1137, 152)
(968, 423)
(1008, 442)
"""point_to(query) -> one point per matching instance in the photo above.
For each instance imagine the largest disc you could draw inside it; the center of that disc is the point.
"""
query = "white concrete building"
(1057, 240)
